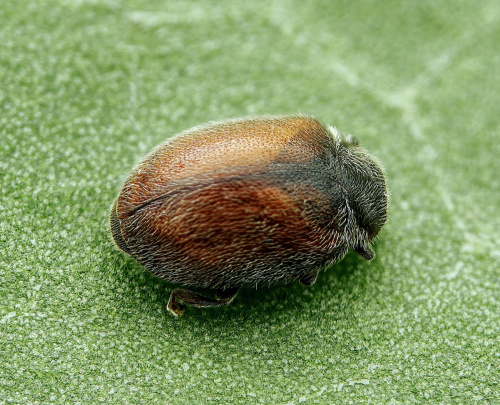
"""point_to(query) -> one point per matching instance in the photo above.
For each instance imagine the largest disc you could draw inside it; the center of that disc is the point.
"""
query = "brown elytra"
(249, 202)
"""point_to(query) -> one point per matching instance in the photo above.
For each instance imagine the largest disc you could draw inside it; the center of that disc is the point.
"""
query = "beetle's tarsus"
(366, 252)
(174, 307)
(308, 279)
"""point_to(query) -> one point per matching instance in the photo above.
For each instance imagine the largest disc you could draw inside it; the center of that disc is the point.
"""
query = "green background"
(88, 87)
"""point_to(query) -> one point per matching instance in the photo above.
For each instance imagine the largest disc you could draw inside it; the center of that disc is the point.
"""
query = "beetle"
(248, 202)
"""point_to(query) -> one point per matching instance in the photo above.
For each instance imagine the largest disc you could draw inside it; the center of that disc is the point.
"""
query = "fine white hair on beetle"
(335, 133)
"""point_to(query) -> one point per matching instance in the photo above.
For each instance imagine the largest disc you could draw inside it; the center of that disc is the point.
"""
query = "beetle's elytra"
(248, 202)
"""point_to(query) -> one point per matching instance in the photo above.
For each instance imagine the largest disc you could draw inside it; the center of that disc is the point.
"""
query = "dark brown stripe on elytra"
(198, 239)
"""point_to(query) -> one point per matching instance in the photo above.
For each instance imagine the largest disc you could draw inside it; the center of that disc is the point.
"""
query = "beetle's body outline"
(247, 202)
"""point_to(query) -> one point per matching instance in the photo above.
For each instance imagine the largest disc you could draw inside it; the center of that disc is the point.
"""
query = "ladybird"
(249, 202)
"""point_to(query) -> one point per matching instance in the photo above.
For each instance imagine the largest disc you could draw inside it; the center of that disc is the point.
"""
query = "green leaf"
(88, 87)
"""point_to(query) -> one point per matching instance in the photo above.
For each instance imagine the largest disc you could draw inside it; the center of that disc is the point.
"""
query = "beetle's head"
(363, 182)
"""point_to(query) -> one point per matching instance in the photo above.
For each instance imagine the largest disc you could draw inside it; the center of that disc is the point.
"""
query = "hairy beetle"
(248, 202)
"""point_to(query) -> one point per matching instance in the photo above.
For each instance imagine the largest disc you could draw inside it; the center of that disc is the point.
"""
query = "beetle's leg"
(308, 279)
(365, 251)
(179, 297)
